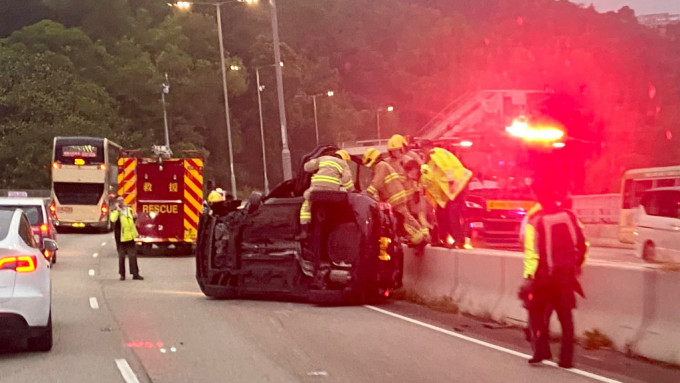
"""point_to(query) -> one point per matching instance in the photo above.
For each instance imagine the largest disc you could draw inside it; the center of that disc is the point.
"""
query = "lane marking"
(91, 272)
(125, 370)
(490, 345)
(95, 255)
(94, 304)
(103, 244)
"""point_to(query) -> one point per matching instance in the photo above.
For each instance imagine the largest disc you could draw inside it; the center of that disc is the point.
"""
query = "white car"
(657, 234)
(25, 283)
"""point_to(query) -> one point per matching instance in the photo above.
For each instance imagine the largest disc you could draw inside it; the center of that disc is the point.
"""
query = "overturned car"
(352, 254)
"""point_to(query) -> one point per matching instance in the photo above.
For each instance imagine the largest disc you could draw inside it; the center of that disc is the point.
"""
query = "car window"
(669, 202)
(26, 233)
(33, 213)
(5, 220)
(639, 187)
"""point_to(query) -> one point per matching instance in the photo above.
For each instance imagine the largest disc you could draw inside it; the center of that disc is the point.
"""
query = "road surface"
(163, 329)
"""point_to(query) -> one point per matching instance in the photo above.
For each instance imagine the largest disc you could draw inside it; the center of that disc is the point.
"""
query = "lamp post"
(260, 88)
(389, 108)
(285, 151)
(218, 7)
(330, 93)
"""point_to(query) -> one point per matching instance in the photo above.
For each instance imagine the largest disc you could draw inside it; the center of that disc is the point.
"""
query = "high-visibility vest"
(330, 172)
(386, 185)
(128, 230)
(444, 176)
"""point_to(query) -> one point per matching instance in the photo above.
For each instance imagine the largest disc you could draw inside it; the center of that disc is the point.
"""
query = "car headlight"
(473, 205)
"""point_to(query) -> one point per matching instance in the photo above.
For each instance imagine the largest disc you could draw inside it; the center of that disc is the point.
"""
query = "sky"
(641, 7)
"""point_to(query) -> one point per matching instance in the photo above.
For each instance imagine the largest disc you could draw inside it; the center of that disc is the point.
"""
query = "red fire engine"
(166, 194)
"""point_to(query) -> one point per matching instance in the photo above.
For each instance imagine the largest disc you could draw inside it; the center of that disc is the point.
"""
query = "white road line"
(125, 370)
(94, 304)
(95, 255)
(489, 345)
(91, 272)
(103, 244)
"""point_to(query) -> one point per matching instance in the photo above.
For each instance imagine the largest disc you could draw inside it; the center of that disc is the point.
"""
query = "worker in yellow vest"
(386, 186)
(445, 181)
(124, 233)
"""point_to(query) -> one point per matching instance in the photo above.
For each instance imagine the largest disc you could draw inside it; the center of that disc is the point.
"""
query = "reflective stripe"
(348, 185)
(391, 177)
(331, 164)
(396, 197)
(322, 178)
(530, 252)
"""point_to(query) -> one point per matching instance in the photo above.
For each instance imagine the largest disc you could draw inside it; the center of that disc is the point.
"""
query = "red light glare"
(669, 135)
(558, 145)
(466, 144)
(43, 228)
(56, 165)
(102, 167)
(521, 129)
(387, 293)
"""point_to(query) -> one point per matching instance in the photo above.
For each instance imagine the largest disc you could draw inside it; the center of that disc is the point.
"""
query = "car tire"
(649, 252)
(42, 343)
(54, 258)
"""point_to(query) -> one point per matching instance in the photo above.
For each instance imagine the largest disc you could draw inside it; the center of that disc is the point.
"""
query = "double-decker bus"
(84, 179)
(635, 182)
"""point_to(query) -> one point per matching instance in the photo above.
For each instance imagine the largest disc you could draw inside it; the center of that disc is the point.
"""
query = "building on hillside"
(658, 20)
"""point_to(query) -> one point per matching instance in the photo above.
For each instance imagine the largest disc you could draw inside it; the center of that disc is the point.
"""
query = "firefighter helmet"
(370, 157)
(344, 155)
(396, 142)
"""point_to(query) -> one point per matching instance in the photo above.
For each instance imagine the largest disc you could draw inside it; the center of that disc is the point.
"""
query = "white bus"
(635, 182)
(84, 180)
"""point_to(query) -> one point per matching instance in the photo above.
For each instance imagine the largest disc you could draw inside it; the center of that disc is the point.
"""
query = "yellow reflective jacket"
(443, 177)
(330, 171)
(128, 230)
(215, 196)
(386, 185)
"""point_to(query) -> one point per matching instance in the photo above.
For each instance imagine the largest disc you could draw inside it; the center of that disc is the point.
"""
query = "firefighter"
(386, 186)
(331, 172)
(555, 249)
(125, 233)
(399, 155)
(445, 180)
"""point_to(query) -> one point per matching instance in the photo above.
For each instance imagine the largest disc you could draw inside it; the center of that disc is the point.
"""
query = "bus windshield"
(67, 151)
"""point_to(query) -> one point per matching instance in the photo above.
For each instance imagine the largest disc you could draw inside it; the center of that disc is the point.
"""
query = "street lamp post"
(285, 151)
(330, 93)
(264, 152)
(377, 118)
(218, 7)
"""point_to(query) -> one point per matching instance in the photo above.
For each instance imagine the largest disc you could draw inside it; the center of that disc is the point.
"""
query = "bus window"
(639, 187)
(628, 194)
(665, 182)
(76, 193)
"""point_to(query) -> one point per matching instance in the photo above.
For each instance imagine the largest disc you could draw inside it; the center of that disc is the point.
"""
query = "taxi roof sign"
(17, 194)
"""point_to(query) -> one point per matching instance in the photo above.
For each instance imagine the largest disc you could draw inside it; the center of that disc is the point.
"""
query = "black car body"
(351, 255)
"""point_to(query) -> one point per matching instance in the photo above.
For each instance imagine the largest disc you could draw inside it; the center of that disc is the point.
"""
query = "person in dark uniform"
(125, 233)
(555, 249)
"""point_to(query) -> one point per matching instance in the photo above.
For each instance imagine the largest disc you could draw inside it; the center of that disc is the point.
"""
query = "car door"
(7, 277)
(669, 225)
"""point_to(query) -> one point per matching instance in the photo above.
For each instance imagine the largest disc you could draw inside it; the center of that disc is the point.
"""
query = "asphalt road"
(165, 330)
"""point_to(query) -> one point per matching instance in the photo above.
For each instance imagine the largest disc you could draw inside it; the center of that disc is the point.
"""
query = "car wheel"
(43, 342)
(649, 252)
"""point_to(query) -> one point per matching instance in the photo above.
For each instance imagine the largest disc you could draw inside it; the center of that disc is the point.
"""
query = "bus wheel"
(649, 252)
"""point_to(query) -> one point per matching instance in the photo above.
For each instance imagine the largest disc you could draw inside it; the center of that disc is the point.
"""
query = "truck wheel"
(217, 292)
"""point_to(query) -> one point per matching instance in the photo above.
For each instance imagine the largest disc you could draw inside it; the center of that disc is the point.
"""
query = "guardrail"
(635, 306)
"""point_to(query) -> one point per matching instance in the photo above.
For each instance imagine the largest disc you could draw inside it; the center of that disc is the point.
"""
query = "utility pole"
(165, 89)
(285, 152)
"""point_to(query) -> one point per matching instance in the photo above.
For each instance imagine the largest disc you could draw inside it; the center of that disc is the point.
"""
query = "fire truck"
(167, 195)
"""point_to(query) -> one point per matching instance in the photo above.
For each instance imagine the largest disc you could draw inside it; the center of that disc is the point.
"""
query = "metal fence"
(597, 208)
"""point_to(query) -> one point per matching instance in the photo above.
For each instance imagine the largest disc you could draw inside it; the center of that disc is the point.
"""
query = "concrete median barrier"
(634, 306)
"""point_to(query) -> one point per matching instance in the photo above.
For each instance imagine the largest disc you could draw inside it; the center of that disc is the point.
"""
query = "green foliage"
(100, 64)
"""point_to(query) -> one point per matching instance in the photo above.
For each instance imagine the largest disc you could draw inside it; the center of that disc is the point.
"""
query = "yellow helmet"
(344, 155)
(370, 157)
(396, 142)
